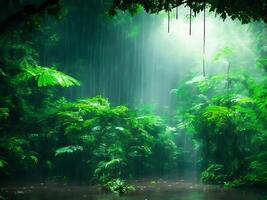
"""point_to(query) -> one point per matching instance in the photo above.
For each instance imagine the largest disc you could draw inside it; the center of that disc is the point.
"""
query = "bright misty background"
(134, 60)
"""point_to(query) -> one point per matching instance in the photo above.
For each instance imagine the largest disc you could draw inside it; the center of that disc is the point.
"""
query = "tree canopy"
(29, 16)
(246, 10)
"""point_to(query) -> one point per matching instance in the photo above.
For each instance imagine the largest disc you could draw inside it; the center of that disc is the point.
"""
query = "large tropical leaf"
(48, 77)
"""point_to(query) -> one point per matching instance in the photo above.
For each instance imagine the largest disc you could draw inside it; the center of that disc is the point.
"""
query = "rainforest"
(133, 99)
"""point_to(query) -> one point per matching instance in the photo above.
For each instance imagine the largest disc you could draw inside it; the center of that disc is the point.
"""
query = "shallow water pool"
(146, 190)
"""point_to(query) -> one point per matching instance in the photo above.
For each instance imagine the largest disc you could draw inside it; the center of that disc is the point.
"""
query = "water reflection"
(161, 191)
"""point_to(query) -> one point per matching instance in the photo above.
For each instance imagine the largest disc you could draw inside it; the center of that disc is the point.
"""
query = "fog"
(134, 59)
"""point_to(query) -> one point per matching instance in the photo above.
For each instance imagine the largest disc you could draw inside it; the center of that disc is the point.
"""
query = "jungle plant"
(96, 141)
(22, 103)
(119, 186)
(47, 77)
(214, 174)
(221, 116)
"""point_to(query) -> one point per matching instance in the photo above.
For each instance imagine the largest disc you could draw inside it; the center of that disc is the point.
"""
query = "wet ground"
(159, 189)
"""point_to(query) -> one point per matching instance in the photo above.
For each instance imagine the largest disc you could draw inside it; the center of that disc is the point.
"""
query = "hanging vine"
(204, 40)
(168, 21)
(177, 10)
(190, 21)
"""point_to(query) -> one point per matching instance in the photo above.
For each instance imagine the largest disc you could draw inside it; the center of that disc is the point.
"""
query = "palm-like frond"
(48, 77)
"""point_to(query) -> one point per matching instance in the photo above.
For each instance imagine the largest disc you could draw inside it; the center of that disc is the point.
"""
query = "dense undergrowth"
(225, 115)
(227, 124)
(43, 136)
(90, 140)
(46, 136)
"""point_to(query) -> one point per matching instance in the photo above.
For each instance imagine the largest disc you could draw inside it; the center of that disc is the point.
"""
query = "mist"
(103, 99)
(134, 60)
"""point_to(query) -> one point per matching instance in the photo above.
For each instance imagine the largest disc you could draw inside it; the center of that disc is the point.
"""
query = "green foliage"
(87, 139)
(23, 105)
(68, 149)
(228, 125)
(47, 77)
(214, 174)
(90, 140)
(119, 186)
(16, 156)
(4, 113)
(112, 138)
(257, 172)
(245, 12)
(2, 163)
(217, 115)
(262, 63)
(223, 53)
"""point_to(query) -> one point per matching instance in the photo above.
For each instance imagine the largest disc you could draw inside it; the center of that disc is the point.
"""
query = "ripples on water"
(146, 190)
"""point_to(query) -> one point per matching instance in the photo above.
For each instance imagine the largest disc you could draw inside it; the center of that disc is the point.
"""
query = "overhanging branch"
(23, 16)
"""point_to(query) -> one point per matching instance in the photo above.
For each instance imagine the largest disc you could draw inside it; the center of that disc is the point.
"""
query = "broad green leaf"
(68, 149)
(47, 77)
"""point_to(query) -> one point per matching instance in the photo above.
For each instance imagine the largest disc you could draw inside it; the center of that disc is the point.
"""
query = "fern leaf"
(48, 77)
